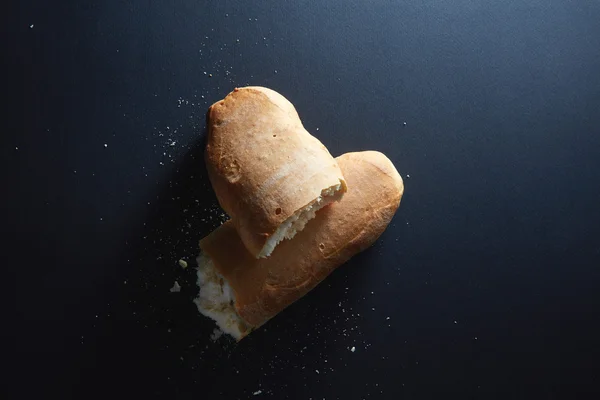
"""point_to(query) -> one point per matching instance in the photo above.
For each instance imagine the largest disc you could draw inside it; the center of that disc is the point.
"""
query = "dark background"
(489, 272)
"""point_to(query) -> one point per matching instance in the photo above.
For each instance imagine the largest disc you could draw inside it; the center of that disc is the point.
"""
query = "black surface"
(489, 272)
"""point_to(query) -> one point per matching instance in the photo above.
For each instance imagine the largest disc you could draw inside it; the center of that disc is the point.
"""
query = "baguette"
(269, 174)
(241, 292)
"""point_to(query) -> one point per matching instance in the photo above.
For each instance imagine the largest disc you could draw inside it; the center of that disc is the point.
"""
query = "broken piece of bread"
(269, 174)
(241, 292)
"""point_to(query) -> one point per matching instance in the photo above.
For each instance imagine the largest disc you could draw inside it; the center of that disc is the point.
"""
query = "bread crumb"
(105, 145)
(353, 349)
(183, 264)
(176, 288)
(317, 371)
(31, 26)
(216, 334)
(257, 392)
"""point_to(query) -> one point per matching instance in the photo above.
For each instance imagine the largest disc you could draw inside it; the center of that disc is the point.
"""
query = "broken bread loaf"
(241, 292)
(269, 174)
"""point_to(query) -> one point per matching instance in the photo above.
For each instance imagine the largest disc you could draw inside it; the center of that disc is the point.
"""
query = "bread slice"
(269, 174)
(241, 292)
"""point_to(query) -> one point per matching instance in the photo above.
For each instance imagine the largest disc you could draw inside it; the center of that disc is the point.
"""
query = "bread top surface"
(262, 163)
(264, 287)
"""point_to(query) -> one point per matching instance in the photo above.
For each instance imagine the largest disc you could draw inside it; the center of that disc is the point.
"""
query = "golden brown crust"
(263, 165)
(264, 287)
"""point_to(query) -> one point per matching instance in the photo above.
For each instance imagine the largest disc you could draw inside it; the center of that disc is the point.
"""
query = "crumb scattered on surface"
(216, 334)
(353, 349)
(176, 288)
(257, 392)
(183, 264)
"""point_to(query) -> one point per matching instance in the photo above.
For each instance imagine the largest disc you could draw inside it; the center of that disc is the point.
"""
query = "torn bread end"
(216, 299)
(294, 224)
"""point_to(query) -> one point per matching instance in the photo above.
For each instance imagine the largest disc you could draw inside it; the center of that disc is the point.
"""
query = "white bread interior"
(295, 223)
(216, 299)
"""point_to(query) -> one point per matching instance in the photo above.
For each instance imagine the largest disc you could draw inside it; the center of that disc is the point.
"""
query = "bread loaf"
(241, 292)
(269, 174)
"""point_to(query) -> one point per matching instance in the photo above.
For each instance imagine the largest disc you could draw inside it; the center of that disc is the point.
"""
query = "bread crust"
(264, 287)
(263, 165)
